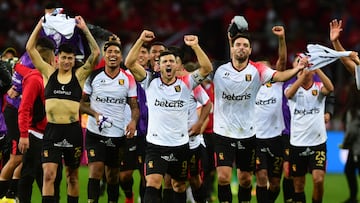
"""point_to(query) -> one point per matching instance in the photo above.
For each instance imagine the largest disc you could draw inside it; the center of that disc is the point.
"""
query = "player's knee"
(179, 186)
(49, 176)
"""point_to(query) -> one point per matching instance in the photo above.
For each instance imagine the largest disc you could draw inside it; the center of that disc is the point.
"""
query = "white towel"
(59, 23)
(320, 56)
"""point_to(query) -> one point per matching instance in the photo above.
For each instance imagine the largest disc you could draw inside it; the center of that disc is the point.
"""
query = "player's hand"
(147, 36)
(80, 22)
(191, 40)
(335, 29)
(130, 129)
(278, 31)
(24, 144)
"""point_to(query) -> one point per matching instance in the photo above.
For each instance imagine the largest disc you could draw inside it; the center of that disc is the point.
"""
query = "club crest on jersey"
(92, 153)
(177, 88)
(151, 164)
(46, 153)
(248, 77)
(314, 92)
(268, 84)
(121, 81)
(221, 156)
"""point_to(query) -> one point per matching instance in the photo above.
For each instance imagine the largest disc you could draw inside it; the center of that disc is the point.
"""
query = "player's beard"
(241, 59)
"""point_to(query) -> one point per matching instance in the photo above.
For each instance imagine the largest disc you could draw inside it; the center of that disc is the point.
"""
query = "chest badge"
(248, 77)
(121, 81)
(177, 88)
(314, 92)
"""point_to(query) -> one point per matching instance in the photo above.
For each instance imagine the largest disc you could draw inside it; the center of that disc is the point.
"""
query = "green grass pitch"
(336, 189)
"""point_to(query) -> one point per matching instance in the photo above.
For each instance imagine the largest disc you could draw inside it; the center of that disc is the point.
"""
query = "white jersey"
(269, 120)
(168, 107)
(108, 96)
(235, 93)
(307, 116)
(198, 98)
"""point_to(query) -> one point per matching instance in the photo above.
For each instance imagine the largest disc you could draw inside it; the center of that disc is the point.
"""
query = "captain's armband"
(197, 77)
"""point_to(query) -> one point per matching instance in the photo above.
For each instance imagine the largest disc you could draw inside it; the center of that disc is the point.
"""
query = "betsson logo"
(236, 97)
(171, 104)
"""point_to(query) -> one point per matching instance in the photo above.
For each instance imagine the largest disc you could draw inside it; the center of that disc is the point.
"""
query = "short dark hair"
(113, 41)
(177, 51)
(157, 43)
(245, 35)
(166, 52)
(45, 43)
(146, 46)
(67, 48)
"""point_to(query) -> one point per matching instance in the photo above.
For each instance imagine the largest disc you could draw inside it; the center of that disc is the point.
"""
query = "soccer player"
(63, 91)
(32, 122)
(269, 124)
(168, 102)
(236, 85)
(308, 147)
(108, 90)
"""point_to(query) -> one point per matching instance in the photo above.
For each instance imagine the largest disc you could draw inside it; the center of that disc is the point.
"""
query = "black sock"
(199, 194)
(48, 199)
(142, 190)
(262, 194)
(168, 195)
(152, 195)
(113, 192)
(244, 194)
(93, 190)
(299, 197)
(12, 191)
(224, 193)
(288, 189)
(72, 199)
(25, 188)
(127, 187)
(273, 195)
(179, 197)
(4, 186)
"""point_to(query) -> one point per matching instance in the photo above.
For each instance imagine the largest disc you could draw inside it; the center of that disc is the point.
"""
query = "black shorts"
(306, 159)
(63, 140)
(196, 159)
(129, 159)
(269, 156)
(104, 149)
(32, 158)
(230, 150)
(140, 150)
(4, 151)
(171, 160)
(209, 164)
(11, 120)
(286, 146)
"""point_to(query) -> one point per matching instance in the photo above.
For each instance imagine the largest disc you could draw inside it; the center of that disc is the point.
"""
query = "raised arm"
(84, 71)
(328, 86)
(203, 60)
(281, 76)
(131, 63)
(349, 62)
(279, 31)
(291, 91)
(45, 68)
